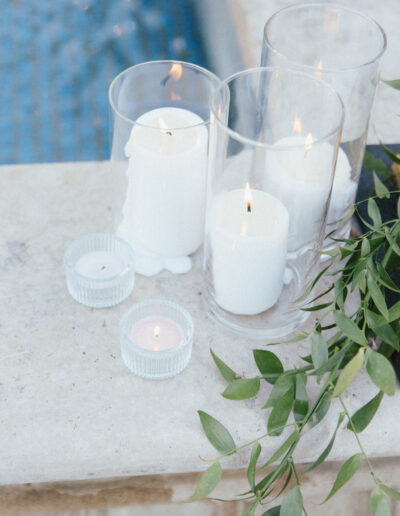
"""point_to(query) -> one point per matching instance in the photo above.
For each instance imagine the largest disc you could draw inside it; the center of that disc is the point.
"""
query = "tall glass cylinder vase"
(342, 47)
(274, 141)
(160, 135)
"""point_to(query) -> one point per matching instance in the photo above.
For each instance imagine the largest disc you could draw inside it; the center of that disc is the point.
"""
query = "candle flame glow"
(164, 126)
(332, 20)
(176, 71)
(297, 125)
(174, 96)
(248, 197)
(157, 330)
(309, 142)
(318, 73)
(243, 231)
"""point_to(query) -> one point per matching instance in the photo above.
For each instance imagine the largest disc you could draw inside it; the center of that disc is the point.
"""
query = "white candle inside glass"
(157, 334)
(300, 174)
(165, 204)
(100, 265)
(248, 237)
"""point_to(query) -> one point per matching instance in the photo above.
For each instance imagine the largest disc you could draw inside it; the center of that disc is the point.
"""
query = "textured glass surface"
(151, 363)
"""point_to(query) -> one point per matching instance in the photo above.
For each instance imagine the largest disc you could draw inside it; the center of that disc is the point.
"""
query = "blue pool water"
(57, 59)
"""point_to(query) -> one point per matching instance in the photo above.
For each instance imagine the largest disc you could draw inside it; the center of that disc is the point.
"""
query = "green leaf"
(251, 470)
(319, 350)
(317, 307)
(349, 327)
(274, 511)
(242, 389)
(282, 449)
(208, 482)
(280, 413)
(292, 504)
(375, 164)
(268, 364)
(216, 433)
(374, 213)
(380, 188)
(381, 372)
(348, 469)
(388, 335)
(365, 247)
(389, 153)
(280, 388)
(378, 503)
(377, 296)
(328, 449)
(349, 373)
(226, 371)
(395, 83)
(362, 418)
(300, 407)
(313, 283)
(321, 410)
(395, 495)
(394, 312)
(392, 242)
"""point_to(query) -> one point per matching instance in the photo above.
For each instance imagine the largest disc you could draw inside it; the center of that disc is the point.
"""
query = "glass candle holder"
(274, 142)
(342, 47)
(156, 339)
(100, 270)
(160, 134)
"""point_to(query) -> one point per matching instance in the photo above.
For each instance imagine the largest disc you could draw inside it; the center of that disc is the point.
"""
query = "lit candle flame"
(164, 126)
(176, 71)
(157, 330)
(332, 19)
(318, 73)
(174, 96)
(297, 125)
(248, 197)
(309, 143)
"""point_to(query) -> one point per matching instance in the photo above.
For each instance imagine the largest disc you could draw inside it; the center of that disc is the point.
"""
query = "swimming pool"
(57, 59)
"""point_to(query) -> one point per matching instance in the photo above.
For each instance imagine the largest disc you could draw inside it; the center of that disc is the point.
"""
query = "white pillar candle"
(164, 208)
(299, 173)
(248, 236)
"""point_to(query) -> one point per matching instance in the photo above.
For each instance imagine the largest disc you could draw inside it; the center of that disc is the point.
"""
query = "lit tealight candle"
(157, 334)
(156, 339)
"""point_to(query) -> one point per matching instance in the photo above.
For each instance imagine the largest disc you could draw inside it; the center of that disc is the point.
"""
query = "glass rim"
(271, 146)
(366, 17)
(210, 75)
(187, 332)
(70, 267)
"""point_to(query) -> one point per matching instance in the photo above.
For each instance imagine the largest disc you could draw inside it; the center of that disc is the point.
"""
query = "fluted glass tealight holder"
(160, 114)
(343, 47)
(274, 140)
(99, 269)
(156, 339)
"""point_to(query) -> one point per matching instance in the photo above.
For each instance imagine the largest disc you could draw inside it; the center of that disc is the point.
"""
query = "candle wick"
(103, 267)
(168, 132)
(248, 207)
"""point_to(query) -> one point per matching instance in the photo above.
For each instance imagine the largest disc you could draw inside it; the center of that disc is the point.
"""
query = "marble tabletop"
(69, 408)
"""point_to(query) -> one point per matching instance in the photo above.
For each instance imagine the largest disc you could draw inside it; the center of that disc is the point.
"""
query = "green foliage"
(348, 469)
(362, 340)
(362, 418)
(208, 482)
(216, 433)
